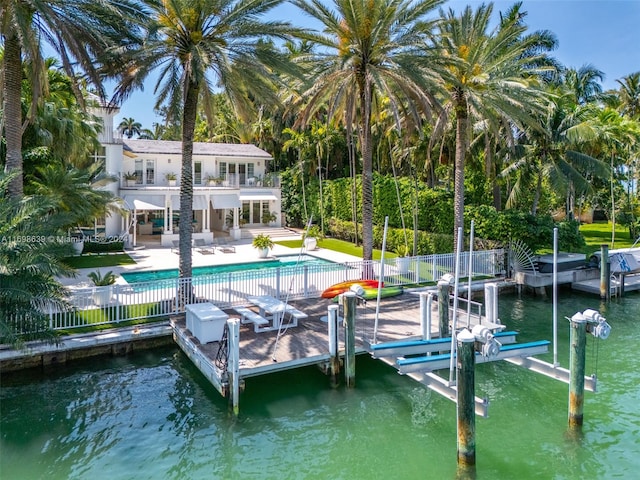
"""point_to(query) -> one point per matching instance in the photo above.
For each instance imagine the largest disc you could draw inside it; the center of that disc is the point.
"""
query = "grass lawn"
(97, 260)
(338, 246)
(598, 233)
(107, 326)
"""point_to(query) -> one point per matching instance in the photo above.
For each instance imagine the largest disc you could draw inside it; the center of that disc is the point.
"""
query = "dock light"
(490, 346)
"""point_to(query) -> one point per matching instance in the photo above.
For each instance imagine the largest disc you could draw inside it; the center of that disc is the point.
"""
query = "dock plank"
(263, 352)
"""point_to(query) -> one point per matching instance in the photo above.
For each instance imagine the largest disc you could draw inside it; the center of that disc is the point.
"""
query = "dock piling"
(605, 273)
(349, 306)
(443, 307)
(466, 398)
(334, 360)
(233, 366)
(578, 342)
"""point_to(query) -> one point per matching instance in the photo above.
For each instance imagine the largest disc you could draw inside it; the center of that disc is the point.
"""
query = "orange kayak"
(342, 287)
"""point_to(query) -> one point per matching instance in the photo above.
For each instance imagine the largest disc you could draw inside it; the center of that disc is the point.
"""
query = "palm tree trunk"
(186, 186)
(536, 196)
(367, 175)
(13, 112)
(458, 193)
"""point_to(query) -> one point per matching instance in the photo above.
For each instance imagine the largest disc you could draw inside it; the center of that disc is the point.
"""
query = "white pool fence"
(159, 298)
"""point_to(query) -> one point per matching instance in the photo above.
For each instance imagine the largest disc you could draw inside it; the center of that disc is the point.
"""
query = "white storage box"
(206, 321)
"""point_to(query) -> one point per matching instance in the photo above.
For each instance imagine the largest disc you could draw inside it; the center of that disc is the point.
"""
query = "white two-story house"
(231, 187)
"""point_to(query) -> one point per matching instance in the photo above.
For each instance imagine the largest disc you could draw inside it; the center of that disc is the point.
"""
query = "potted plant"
(262, 243)
(213, 180)
(102, 296)
(130, 178)
(311, 238)
(268, 217)
(171, 178)
(403, 262)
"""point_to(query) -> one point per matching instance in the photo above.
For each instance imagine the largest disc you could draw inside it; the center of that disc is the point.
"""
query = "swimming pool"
(265, 266)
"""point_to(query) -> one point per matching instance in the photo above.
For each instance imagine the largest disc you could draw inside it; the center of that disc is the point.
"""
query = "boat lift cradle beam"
(439, 362)
(551, 371)
(417, 347)
(441, 386)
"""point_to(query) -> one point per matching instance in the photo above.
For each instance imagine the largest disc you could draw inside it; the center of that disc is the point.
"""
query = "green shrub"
(569, 237)
(511, 225)
(100, 247)
(428, 243)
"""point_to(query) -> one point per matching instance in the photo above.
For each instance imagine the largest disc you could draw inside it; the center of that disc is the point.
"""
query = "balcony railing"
(269, 180)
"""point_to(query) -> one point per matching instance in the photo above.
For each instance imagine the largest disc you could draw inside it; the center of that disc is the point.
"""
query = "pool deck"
(162, 258)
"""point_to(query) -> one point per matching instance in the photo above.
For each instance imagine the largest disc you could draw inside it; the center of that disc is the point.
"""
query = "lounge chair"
(176, 246)
(225, 246)
(202, 247)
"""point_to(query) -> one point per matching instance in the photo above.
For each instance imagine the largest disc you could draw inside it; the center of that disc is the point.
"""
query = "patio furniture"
(202, 247)
(224, 245)
(249, 316)
(274, 310)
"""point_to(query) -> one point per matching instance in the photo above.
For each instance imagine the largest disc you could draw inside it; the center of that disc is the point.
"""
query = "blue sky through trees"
(603, 33)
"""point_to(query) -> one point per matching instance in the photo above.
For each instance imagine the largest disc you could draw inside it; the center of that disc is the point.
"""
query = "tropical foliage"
(32, 246)
(390, 109)
(195, 45)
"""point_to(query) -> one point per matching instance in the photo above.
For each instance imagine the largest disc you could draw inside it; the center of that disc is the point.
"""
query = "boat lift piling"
(426, 299)
(605, 273)
(466, 398)
(349, 306)
(443, 307)
(577, 363)
(491, 302)
(589, 321)
(334, 360)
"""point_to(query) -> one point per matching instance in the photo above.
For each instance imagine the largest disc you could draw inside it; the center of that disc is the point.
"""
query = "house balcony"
(270, 180)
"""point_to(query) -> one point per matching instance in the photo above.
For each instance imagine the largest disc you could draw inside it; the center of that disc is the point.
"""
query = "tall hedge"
(434, 206)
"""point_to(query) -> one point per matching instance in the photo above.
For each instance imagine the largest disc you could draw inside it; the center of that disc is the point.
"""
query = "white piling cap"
(466, 336)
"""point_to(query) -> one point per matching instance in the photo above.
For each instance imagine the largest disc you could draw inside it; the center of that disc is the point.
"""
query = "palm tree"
(77, 30)
(556, 154)
(630, 95)
(584, 83)
(198, 45)
(28, 264)
(60, 128)
(129, 127)
(155, 134)
(493, 77)
(75, 195)
(369, 49)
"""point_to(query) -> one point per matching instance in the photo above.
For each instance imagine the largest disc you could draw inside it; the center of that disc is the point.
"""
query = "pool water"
(262, 266)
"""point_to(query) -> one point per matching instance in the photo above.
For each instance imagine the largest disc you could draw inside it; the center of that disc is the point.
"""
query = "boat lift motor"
(596, 324)
(487, 343)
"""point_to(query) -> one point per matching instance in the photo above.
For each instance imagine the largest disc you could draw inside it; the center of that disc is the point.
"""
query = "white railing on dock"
(122, 302)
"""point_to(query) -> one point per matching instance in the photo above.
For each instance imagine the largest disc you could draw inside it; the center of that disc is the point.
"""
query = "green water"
(153, 416)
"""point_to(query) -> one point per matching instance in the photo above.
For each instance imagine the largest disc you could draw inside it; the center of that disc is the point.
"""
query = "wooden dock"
(308, 343)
